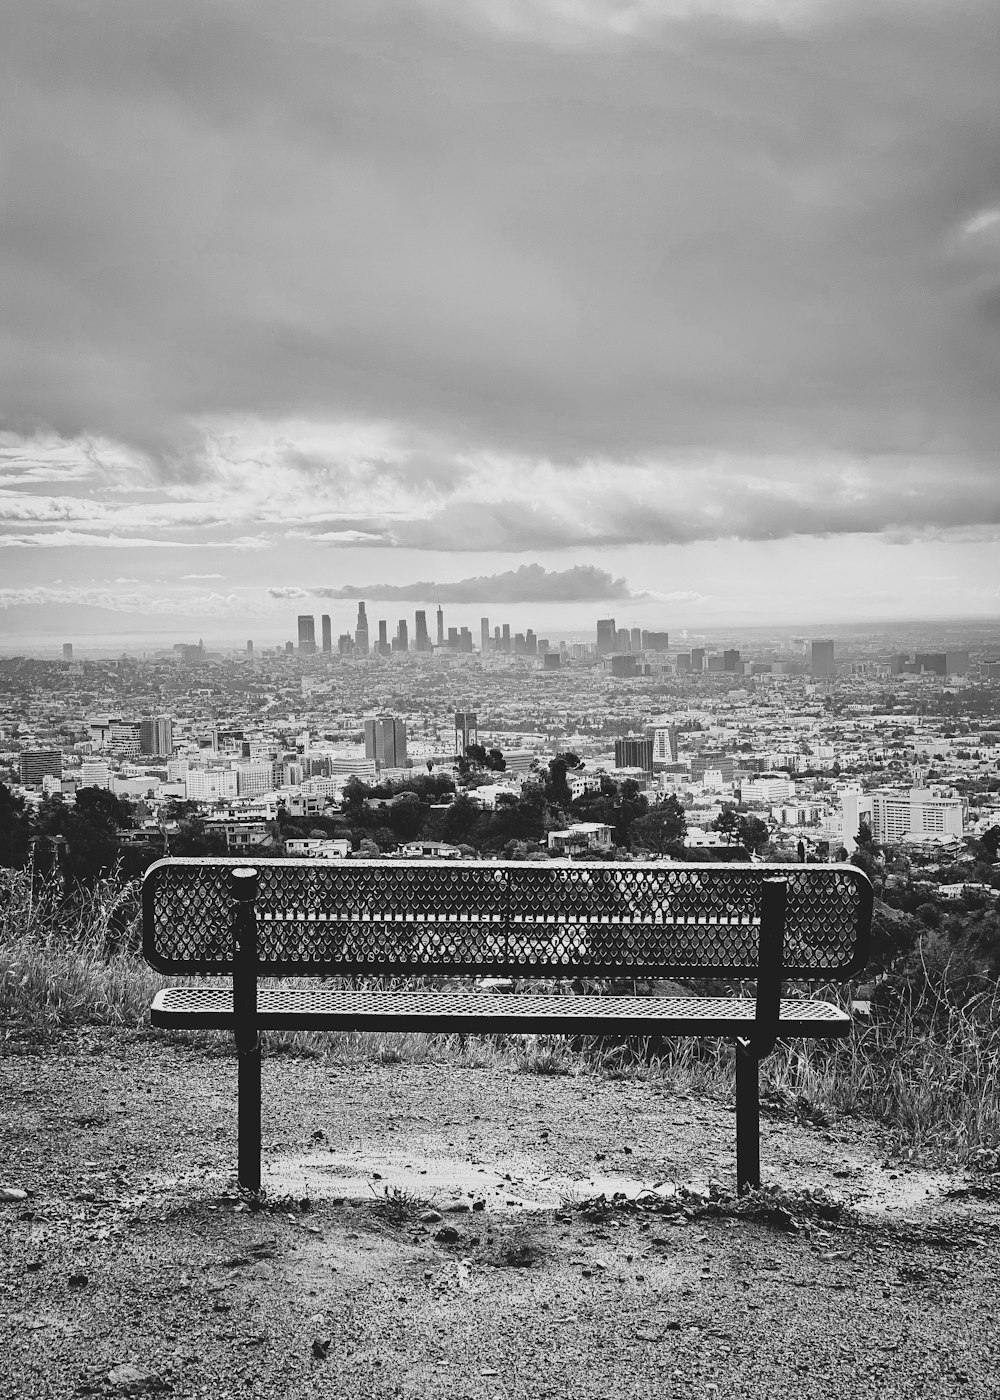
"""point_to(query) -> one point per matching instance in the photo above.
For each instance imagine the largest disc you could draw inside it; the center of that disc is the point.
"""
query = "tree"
(662, 830)
(753, 833)
(556, 786)
(496, 761)
(727, 824)
(15, 832)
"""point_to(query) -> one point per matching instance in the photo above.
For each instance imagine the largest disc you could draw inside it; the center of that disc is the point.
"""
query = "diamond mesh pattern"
(519, 918)
(286, 1007)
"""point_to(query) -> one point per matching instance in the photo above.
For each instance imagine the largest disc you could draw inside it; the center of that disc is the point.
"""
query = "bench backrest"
(522, 918)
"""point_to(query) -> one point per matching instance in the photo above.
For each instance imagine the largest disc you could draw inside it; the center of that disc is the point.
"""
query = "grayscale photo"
(500, 699)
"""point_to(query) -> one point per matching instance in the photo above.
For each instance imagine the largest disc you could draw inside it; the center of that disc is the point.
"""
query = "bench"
(364, 927)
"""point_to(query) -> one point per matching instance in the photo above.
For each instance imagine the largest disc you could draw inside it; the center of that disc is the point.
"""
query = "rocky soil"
(426, 1233)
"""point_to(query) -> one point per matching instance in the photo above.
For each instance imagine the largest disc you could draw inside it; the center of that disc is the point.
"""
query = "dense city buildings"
(906, 750)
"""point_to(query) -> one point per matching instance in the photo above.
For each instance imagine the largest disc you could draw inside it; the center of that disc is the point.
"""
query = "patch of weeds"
(516, 1248)
(546, 1057)
(398, 1206)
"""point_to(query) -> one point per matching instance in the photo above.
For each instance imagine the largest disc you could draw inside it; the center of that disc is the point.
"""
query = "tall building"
(697, 658)
(484, 635)
(67, 651)
(466, 730)
(423, 641)
(125, 738)
(665, 743)
(307, 635)
(385, 740)
(37, 764)
(401, 641)
(156, 736)
(624, 666)
(440, 623)
(607, 636)
(505, 638)
(465, 640)
(822, 661)
(731, 660)
(634, 751)
(249, 650)
(921, 812)
(635, 638)
(345, 644)
(383, 637)
(361, 632)
(623, 641)
(327, 634)
(530, 643)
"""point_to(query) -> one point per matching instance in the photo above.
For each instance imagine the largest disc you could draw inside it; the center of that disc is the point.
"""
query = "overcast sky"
(686, 310)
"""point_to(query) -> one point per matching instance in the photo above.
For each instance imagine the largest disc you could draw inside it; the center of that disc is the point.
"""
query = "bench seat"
(471, 1012)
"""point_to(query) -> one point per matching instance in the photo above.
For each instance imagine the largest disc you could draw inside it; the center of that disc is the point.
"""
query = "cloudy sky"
(685, 310)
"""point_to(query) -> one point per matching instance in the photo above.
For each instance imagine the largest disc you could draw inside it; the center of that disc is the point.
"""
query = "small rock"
(447, 1234)
(429, 1217)
(12, 1193)
(479, 1204)
(78, 1280)
(131, 1380)
(86, 1196)
(321, 1347)
(457, 1208)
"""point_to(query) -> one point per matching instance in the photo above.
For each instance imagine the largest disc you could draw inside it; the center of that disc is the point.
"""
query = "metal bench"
(369, 922)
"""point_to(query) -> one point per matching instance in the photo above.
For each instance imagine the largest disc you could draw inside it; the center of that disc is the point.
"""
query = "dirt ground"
(131, 1266)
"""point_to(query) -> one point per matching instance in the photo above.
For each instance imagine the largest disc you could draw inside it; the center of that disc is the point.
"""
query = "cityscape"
(815, 738)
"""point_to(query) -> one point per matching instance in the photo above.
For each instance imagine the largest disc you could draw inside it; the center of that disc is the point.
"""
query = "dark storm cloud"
(714, 231)
(528, 584)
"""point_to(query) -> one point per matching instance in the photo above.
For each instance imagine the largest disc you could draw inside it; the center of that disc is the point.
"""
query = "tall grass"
(927, 1066)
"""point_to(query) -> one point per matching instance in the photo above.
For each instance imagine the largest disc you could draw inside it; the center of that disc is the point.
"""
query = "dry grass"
(930, 1069)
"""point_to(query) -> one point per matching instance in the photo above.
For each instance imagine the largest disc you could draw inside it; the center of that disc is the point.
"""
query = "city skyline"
(684, 311)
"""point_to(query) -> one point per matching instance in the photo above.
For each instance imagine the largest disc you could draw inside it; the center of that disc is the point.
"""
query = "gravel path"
(131, 1268)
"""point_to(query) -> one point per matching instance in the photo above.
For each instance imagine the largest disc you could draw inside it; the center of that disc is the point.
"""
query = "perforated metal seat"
(319, 1008)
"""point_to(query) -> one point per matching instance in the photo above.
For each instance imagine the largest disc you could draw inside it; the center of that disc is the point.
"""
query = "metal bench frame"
(519, 920)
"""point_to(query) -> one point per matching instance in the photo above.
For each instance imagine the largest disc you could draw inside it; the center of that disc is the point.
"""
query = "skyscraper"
(607, 636)
(466, 730)
(327, 635)
(423, 641)
(822, 660)
(731, 660)
(505, 637)
(156, 736)
(440, 620)
(385, 741)
(361, 632)
(635, 638)
(307, 635)
(401, 641)
(697, 658)
(67, 651)
(484, 635)
(383, 637)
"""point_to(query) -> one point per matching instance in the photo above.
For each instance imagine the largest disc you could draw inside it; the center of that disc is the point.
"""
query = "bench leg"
(747, 1121)
(248, 1116)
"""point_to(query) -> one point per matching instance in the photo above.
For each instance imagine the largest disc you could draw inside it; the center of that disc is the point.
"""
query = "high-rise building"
(465, 640)
(466, 730)
(552, 661)
(505, 638)
(423, 641)
(440, 625)
(920, 812)
(697, 658)
(385, 740)
(607, 636)
(37, 764)
(634, 751)
(624, 665)
(361, 632)
(453, 639)
(307, 635)
(484, 635)
(530, 643)
(383, 637)
(125, 738)
(67, 651)
(497, 641)
(822, 661)
(731, 660)
(345, 644)
(635, 638)
(401, 641)
(655, 641)
(327, 634)
(156, 736)
(956, 663)
(623, 642)
(249, 650)
(665, 743)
